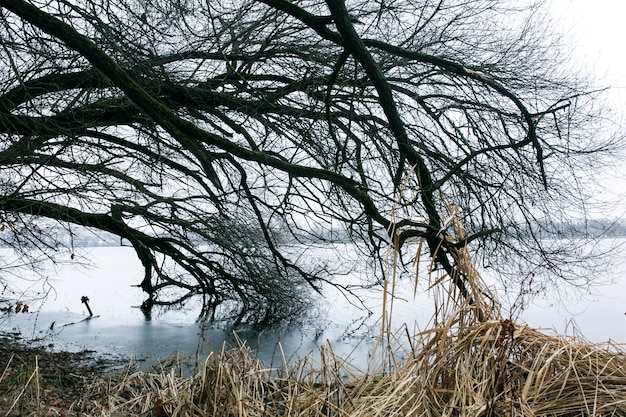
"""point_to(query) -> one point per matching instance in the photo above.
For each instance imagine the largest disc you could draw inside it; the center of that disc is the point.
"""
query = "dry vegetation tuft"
(471, 362)
(495, 368)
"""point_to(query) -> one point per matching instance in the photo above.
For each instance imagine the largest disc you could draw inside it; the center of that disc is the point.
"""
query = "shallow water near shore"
(60, 321)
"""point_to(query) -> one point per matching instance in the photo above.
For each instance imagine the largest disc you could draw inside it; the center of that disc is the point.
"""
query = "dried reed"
(494, 368)
(470, 362)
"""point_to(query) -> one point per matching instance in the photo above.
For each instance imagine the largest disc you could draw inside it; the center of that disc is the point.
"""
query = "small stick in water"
(85, 301)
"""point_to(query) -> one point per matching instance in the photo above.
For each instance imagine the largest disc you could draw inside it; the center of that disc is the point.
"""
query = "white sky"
(597, 31)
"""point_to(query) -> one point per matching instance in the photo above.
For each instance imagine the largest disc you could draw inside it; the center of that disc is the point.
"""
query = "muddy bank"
(54, 378)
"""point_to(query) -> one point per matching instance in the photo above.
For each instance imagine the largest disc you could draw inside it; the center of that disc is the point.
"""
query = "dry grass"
(495, 368)
(471, 362)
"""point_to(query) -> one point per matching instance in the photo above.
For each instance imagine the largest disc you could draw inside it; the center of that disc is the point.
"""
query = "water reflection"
(118, 329)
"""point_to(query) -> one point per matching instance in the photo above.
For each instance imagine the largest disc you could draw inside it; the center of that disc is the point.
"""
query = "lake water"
(122, 330)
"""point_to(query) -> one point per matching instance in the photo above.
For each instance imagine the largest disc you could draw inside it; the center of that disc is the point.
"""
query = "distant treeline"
(593, 227)
(83, 237)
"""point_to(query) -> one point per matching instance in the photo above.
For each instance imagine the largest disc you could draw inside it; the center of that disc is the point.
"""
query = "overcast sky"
(598, 31)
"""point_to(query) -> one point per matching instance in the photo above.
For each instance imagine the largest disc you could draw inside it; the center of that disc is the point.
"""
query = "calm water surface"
(122, 330)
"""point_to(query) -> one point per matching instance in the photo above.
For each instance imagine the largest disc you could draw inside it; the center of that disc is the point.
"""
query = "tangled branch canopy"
(221, 138)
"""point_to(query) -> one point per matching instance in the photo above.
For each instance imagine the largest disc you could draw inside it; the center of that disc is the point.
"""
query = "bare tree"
(222, 138)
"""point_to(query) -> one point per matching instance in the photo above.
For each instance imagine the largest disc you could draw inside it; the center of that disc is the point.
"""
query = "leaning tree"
(222, 139)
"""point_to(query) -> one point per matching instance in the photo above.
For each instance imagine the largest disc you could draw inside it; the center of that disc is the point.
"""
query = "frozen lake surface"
(122, 329)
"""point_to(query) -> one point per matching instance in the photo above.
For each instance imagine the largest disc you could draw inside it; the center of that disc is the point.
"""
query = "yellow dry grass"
(494, 368)
(470, 362)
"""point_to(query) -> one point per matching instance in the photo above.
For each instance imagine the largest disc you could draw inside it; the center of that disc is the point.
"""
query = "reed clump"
(456, 368)
(494, 368)
(469, 362)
